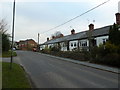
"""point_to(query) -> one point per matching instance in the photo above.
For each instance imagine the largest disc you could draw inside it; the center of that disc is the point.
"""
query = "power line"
(76, 16)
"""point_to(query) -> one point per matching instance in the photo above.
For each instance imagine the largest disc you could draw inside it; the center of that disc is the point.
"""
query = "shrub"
(46, 50)
(114, 34)
(55, 49)
(108, 54)
(112, 59)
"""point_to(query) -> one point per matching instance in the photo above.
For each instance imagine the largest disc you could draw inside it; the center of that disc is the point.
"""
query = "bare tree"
(3, 26)
(4, 36)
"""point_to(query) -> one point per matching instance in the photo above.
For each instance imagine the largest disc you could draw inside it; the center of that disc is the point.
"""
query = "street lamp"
(12, 35)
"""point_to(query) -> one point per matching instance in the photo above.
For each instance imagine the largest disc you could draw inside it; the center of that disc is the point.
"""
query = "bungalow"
(82, 40)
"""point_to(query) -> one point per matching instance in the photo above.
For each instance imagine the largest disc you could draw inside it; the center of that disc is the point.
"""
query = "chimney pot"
(48, 39)
(72, 31)
(117, 18)
(53, 37)
(91, 27)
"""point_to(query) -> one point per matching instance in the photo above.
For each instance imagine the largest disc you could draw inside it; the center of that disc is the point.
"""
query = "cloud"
(34, 18)
(6, 13)
(29, 28)
(96, 1)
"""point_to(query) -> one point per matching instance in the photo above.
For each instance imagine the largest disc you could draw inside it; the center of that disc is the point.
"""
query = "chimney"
(48, 39)
(72, 31)
(53, 37)
(91, 27)
(117, 18)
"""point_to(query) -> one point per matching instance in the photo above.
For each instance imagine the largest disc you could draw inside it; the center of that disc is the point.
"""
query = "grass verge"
(8, 54)
(14, 78)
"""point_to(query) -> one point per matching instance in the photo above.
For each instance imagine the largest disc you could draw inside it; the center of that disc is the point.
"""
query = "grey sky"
(35, 17)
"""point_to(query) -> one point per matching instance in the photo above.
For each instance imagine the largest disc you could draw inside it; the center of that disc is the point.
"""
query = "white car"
(14, 49)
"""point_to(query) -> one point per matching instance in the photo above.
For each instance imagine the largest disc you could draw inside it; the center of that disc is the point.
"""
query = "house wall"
(101, 40)
(27, 44)
(83, 44)
(49, 45)
(63, 46)
(22, 46)
(42, 47)
(31, 43)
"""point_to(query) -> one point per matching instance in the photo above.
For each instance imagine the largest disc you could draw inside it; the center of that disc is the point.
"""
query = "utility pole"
(38, 41)
(12, 35)
(27, 45)
(38, 38)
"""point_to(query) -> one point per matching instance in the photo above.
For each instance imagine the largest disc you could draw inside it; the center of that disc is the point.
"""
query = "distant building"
(82, 40)
(16, 45)
(28, 44)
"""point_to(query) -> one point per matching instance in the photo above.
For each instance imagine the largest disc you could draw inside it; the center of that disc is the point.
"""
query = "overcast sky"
(37, 16)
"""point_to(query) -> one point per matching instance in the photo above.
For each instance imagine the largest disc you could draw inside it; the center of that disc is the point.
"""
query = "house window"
(93, 42)
(104, 41)
(71, 44)
(83, 43)
(75, 44)
(32, 44)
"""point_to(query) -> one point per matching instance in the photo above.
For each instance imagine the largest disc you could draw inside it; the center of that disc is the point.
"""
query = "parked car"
(34, 49)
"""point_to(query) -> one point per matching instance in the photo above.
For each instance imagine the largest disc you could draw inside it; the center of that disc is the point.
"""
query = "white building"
(82, 40)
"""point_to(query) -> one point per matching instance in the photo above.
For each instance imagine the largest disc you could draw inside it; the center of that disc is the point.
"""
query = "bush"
(55, 49)
(5, 42)
(46, 50)
(77, 55)
(112, 59)
(108, 54)
(114, 34)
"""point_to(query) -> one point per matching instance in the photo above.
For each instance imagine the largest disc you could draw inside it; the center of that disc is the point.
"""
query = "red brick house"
(28, 44)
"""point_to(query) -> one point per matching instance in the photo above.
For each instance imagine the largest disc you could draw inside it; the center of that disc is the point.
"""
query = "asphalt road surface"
(49, 72)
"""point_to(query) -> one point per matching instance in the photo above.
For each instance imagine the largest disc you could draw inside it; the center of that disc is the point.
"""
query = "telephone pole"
(38, 41)
(38, 38)
(11, 61)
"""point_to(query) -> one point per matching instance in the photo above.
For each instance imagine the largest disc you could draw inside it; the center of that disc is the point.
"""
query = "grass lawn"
(14, 78)
(8, 54)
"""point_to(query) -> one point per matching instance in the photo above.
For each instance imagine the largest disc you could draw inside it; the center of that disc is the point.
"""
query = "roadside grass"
(14, 78)
(8, 54)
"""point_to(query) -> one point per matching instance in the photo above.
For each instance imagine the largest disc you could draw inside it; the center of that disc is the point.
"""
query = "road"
(49, 72)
